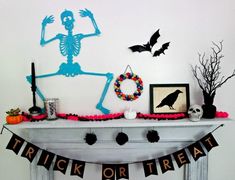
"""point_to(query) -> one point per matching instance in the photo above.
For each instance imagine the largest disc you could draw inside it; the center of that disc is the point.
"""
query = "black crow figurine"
(170, 99)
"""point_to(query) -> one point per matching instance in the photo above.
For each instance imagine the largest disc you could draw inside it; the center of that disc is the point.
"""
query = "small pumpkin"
(14, 117)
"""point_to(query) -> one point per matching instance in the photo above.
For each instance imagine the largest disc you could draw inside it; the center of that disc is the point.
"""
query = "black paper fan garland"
(90, 138)
(152, 136)
(122, 138)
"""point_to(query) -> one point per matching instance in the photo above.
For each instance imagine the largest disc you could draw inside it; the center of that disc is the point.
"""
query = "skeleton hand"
(47, 20)
(85, 13)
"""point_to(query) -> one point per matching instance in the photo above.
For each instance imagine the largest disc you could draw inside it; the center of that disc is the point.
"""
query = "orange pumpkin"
(14, 119)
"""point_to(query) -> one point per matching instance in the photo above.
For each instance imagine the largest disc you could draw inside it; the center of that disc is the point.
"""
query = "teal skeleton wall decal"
(70, 46)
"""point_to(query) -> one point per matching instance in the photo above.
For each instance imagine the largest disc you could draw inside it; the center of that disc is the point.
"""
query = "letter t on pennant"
(150, 167)
(209, 142)
(15, 143)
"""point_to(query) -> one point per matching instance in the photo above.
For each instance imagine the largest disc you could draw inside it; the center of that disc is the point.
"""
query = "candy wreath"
(128, 97)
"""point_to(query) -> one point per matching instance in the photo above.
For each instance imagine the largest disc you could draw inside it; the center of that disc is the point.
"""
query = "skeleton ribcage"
(70, 45)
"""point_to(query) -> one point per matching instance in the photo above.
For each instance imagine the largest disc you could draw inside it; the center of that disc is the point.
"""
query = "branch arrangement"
(208, 73)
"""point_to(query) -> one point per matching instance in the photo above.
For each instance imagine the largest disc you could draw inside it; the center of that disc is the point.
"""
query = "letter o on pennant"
(108, 172)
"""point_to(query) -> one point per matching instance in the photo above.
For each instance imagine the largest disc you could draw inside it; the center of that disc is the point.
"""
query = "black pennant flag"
(181, 157)
(166, 163)
(46, 159)
(61, 164)
(209, 142)
(196, 150)
(15, 143)
(30, 151)
(108, 172)
(150, 167)
(122, 171)
(78, 168)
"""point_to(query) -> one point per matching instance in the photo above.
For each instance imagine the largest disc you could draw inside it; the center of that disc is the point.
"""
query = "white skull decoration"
(195, 112)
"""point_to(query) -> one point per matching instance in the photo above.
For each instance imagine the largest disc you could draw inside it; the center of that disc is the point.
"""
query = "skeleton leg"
(99, 106)
(29, 79)
(109, 77)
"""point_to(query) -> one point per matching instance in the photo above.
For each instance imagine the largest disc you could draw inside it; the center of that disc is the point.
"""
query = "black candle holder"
(34, 110)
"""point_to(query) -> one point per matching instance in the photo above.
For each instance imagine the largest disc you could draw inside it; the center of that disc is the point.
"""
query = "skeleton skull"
(67, 19)
(195, 112)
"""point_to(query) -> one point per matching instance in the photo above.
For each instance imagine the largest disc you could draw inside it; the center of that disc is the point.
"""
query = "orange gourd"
(14, 116)
(14, 119)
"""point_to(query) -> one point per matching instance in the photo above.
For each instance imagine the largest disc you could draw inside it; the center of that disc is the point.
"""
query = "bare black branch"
(208, 73)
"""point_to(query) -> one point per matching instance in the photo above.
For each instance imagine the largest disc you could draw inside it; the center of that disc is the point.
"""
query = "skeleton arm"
(85, 13)
(47, 20)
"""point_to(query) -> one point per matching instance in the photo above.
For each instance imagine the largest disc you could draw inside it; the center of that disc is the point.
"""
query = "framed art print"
(169, 98)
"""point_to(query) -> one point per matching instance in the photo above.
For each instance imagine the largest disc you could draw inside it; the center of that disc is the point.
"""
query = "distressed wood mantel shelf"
(66, 138)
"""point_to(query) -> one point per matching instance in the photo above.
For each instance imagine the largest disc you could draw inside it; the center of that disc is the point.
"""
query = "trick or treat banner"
(60, 163)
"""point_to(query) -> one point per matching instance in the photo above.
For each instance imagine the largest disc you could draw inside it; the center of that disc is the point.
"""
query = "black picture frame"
(176, 98)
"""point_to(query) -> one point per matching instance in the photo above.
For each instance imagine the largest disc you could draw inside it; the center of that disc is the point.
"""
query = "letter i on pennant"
(46, 159)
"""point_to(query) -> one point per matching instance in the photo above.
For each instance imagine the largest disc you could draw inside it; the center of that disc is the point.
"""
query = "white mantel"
(60, 123)
(66, 138)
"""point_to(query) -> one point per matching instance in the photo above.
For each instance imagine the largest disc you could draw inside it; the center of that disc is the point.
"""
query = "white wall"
(190, 26)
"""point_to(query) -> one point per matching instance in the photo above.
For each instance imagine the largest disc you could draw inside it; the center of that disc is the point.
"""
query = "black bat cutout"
(148, 46)
(161, 50)
(140, 48)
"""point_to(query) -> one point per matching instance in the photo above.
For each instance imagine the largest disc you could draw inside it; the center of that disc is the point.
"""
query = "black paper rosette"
(152, 136)
(90, 138)
(122, 138)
